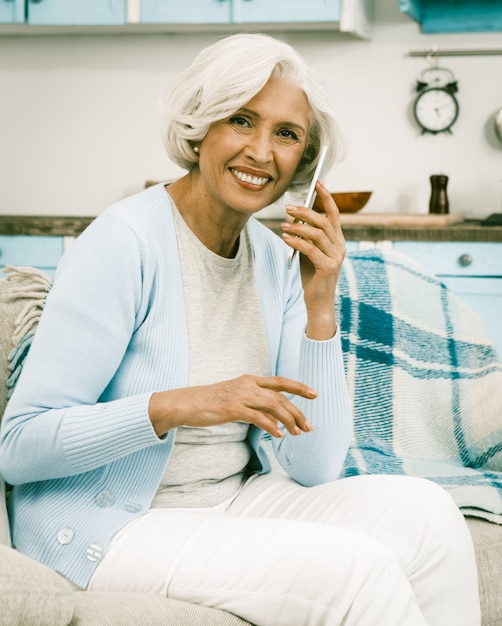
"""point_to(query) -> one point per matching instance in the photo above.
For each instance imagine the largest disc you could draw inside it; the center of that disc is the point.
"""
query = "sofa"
(32, 594)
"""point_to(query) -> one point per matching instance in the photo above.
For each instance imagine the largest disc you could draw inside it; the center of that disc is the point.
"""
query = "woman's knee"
(426, 501)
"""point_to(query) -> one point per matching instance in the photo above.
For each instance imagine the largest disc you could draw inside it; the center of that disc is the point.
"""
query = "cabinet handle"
(465, 260)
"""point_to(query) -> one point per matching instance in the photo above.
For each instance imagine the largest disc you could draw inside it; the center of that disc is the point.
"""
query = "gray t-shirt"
(226, 339)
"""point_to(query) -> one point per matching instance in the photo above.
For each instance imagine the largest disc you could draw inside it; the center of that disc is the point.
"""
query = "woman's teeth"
(246, 178)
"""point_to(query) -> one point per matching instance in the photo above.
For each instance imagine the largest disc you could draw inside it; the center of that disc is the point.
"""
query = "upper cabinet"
(193, 12)
(39, 16)
(455, 16)
(11, 11)
(60, 12)
(279, 11)
(63, 12)
(296, 12)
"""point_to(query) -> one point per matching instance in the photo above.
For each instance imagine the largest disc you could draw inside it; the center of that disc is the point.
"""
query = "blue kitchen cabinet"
(286, 11)
(454, 16)
(75, 12)
(473, 270)
(42, 252)
(239, 11)
(188, 12)
(11, 11)
(336, 14)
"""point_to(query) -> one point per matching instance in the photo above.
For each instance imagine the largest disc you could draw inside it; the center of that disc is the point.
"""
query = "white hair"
(224, 77)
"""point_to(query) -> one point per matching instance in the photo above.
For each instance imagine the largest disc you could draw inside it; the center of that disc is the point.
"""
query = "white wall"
(79, 124)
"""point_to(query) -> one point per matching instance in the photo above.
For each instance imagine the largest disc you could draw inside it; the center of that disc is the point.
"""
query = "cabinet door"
(483, 295)
(472, 270)
(92, 12)
(286, 11)
(188, 12)
(40, 252)
(455, 258)
(351, 246)
(11, 11)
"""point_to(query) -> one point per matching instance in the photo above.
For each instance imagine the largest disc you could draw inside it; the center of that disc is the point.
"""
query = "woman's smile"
(250, 180)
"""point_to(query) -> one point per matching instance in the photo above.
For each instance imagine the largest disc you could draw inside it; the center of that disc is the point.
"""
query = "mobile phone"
(311, 194)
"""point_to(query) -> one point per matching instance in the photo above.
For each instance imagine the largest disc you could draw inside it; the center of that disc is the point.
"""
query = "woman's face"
(248, 160)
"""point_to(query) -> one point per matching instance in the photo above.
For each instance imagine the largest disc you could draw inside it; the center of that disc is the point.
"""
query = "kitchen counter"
(43, 225)
(470, 230)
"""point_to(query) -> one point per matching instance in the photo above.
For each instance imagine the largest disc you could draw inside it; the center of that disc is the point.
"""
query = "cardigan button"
(94, 552)
(132, 507)
(104, 499)
(65, 535)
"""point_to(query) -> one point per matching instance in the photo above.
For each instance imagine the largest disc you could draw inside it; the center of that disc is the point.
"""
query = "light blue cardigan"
(76, 439)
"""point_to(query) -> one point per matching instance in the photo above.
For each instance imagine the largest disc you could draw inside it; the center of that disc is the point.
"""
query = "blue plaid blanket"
(425, 381)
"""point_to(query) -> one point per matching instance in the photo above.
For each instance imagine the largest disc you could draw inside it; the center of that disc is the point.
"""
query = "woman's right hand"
(258, 400)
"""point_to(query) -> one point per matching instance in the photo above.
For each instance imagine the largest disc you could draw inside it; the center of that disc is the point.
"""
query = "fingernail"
(308, 427)
(291, 209)
(296, 431)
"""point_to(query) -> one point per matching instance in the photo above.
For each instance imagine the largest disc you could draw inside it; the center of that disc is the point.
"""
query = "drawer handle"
(465, 260)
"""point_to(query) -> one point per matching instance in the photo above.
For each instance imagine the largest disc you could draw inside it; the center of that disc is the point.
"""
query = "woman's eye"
(286, 133)
(238, 120)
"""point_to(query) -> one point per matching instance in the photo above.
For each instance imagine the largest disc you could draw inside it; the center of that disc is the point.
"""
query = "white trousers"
(361, 551)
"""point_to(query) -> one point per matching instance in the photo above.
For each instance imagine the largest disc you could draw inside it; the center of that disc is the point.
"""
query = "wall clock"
(436, 108)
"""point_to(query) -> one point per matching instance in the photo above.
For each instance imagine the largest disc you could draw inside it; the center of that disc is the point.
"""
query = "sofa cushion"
(487, 539)
(137, 609)
(31, 593)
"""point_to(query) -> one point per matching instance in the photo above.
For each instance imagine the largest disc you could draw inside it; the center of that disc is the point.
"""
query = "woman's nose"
(259, 148)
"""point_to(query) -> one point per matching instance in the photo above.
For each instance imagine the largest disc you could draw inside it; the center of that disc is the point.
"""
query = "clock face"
(436, 110)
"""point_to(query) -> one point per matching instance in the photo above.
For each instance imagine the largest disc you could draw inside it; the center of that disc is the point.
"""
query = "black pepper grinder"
(439, 198)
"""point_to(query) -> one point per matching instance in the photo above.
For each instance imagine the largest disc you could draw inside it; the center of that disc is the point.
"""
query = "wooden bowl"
(350, 201)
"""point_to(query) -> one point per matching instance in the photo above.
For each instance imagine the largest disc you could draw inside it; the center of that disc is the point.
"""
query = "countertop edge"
(43, 225)
(72, 226)
(470, 230)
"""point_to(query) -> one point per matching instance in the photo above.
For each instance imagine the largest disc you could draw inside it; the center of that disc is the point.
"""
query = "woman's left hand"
(319, 239)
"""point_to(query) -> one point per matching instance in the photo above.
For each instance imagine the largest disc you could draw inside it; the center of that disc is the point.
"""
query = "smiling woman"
(195, 339)
(209, 91)
(245, 162)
